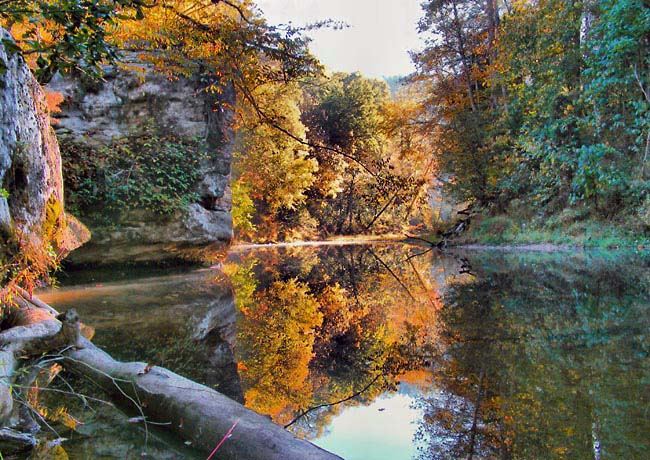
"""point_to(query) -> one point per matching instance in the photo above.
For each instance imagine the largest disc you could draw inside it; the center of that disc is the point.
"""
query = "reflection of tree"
(280, 332)
(544, 358)
(321, 325)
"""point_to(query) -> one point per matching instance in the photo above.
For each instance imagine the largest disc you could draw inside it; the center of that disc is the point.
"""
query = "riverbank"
(561, 231)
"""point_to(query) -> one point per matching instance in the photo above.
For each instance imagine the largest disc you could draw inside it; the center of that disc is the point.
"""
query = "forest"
(523, 122)
(533, 111)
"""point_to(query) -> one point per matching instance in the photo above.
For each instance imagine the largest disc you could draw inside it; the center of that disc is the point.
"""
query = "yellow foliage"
(44, 451)
(182, 34)
(53, 372)
(276, 341)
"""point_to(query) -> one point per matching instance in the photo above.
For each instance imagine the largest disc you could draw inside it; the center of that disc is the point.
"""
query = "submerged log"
(13, 441)
(195, 412)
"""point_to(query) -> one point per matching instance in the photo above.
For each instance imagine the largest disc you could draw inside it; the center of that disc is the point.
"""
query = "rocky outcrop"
(132, 97)
(31, 203)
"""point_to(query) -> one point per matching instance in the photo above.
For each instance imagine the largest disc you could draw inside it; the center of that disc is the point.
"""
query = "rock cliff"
(31, 199)
(132, 97)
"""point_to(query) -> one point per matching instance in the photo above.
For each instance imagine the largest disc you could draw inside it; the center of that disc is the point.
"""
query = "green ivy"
(3, 193)
(149, 171)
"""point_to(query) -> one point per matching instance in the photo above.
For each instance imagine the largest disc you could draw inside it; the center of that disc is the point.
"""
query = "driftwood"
(453, 232)
(36, 331)
(195, 412)
(42, 336)
(15, 441)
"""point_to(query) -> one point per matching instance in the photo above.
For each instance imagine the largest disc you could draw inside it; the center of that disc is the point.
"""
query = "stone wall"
(131, 96)
(30, 164)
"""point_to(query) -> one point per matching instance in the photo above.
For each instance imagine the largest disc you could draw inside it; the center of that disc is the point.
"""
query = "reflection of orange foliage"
(417, 308)
(61, 414)
(337, 311)
(419, 377)
(276, 342)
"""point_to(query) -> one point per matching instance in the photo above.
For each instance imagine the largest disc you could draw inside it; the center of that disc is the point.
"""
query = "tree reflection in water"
(317, 326)
(531, 356)
(545, 357)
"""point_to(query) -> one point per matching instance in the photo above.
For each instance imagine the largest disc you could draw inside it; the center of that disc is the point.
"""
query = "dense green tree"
(617, 81)
(367, 154)
(545, 101)
(348, 119)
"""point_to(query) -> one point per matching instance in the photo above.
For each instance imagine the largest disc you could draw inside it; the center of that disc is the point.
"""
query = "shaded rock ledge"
(132, 97)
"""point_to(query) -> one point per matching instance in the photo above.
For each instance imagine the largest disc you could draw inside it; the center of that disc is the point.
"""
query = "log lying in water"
(29, 339)
(35, 330)
(195, 412)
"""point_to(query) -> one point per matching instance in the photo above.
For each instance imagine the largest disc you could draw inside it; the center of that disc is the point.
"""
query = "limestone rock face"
(131, 97)
(30, 164)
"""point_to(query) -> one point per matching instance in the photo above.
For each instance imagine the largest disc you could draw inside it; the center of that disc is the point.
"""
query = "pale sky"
(383, 430)
(376, 43)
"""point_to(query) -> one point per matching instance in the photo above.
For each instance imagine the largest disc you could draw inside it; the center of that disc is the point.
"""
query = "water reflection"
(549, 357)
(318, 326)
(388, 423)
(477, 355)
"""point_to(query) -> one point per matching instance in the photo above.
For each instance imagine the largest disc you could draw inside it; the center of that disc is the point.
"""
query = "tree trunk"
(463, 57)
(196, 412)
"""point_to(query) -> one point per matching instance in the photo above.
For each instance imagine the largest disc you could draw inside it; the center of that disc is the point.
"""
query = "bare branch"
(640, 83)
(320, 406)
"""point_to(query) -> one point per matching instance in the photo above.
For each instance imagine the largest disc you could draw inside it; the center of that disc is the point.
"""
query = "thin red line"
(226, 436)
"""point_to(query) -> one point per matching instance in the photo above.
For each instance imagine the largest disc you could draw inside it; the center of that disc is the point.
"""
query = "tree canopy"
(544, 102)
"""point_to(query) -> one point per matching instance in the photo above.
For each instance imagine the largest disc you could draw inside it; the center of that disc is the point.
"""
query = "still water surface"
(484, 355)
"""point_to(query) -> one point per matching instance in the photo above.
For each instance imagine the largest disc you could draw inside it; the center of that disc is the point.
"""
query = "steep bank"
(136, 105)
(570, 228)
(32, 213)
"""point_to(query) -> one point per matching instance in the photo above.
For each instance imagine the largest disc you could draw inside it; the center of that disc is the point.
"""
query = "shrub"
(498, 225)
(151, 171)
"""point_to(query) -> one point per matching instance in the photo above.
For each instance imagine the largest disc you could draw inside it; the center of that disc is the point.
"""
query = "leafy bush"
(498, 225)
(151, 171)
(565, 218)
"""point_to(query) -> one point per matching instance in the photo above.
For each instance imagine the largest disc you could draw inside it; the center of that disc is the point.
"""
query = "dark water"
(484, 355)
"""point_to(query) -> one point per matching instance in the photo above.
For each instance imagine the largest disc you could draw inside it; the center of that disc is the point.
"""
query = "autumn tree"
(66, 35)
(272, 169)
(365, 179)
(461, 103)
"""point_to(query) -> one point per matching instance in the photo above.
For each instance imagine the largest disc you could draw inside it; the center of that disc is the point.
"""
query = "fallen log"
(195, 412)
(13, 441)
(34, 338)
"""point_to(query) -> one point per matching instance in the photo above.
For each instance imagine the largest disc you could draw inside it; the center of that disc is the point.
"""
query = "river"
(388, 351)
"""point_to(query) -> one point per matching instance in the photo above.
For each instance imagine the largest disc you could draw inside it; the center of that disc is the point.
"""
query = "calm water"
(484, 355)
